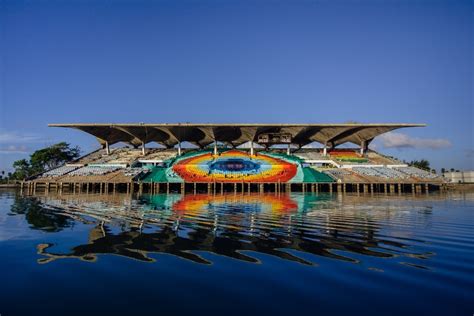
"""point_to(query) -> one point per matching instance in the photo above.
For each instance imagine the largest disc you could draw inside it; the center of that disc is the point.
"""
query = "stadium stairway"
(160, 175)
(312, 176)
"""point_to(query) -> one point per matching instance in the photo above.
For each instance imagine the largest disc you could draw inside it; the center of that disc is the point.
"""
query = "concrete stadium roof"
(233, 134)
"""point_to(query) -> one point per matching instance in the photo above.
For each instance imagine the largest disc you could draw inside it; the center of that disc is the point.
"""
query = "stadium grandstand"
(236, 157)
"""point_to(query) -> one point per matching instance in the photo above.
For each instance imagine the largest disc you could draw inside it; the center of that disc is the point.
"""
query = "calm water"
(234, 254)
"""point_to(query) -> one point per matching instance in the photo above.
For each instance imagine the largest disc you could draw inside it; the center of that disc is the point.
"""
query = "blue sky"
(239, 61)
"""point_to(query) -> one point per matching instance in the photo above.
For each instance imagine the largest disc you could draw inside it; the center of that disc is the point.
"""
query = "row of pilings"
(220, 187)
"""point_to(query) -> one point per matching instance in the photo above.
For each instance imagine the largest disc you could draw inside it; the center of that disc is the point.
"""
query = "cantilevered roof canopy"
(234, 134)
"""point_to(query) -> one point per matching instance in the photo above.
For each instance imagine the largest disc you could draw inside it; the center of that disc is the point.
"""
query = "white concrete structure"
(459, 177)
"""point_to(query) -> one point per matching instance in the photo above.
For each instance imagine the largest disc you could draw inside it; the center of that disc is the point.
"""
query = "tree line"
(43, 160)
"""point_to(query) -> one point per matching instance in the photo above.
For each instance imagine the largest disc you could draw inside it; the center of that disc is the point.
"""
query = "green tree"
(22, 169)
(45, 159)
(422, 164)
(52, 157)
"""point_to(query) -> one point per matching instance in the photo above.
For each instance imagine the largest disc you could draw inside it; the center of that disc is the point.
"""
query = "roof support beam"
(137, 140)
(234, 134)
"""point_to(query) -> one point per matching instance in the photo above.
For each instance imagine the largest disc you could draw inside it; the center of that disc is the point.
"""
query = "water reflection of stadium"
(230, 225)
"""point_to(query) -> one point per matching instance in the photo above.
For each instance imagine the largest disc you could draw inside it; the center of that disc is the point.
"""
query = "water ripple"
(353, 230)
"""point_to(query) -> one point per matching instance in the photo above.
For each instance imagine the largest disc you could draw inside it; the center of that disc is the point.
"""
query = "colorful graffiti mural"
(235, 166)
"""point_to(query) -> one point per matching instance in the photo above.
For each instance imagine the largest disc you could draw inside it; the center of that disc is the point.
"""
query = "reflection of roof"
(235, 134)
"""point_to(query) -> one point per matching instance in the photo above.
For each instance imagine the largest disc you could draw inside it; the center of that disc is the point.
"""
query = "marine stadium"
(218, 158)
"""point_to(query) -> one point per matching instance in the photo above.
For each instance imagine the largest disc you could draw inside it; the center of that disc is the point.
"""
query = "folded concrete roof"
(234, 134)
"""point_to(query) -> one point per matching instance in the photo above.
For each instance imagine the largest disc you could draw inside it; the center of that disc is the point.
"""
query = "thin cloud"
(12, 137)
(14, 149)
(399, 140)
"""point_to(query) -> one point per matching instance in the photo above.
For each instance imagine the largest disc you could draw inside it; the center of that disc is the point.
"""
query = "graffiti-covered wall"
(234, 166)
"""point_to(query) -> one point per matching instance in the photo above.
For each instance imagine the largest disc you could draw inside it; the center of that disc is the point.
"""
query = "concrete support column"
(362, 148)
(251, 148)
(215, 148)
(143, 149)
(418, 188)
(179, 148)
(288, 150)
(325, 149)
(107, 148)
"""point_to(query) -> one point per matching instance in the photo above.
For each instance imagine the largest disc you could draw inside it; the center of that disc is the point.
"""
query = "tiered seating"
(371, 172)
(380, 172)
(156, 175)
(390, 173)
(93, 170)
(133, 172)
(118, 156)
(344, 175)
(126, 156)
(378, 159)
(337, 172)
(415, 172)
(91, 157)
(310, 155)
(160, 155)
(347, 155)
(311, 175)
(232, 165)
(58, 172)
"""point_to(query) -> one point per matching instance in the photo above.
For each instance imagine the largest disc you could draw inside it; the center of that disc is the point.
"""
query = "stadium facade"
(235, 157)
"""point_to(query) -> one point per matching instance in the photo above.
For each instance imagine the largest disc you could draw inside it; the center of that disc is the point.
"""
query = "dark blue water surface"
(236, 254)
